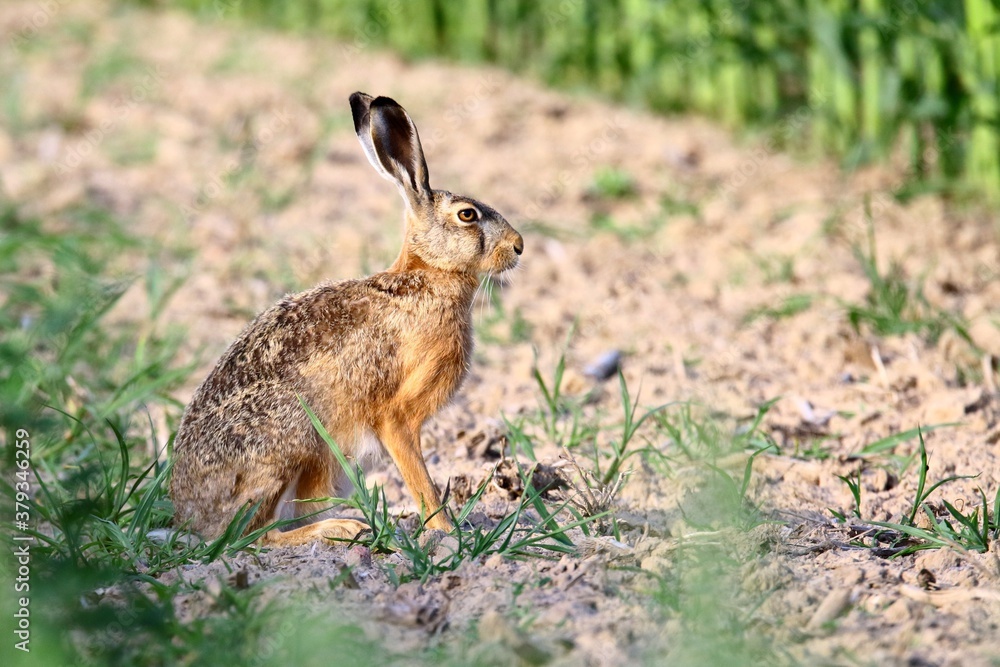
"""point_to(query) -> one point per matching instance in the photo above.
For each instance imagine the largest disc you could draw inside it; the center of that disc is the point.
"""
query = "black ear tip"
(383, 102)
(360, 103)
(360, 99)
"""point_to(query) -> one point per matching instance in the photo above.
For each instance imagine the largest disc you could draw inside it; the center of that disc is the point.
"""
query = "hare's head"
(443, 230)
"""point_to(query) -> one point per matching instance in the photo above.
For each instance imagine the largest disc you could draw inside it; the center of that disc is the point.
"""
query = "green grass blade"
(891, 442)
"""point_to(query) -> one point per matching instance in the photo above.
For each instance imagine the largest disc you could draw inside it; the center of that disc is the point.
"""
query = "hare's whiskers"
(489, 293)
(477, 294)
(488, 301)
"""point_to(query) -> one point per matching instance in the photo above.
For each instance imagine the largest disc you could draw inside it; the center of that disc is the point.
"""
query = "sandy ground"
(234, 151)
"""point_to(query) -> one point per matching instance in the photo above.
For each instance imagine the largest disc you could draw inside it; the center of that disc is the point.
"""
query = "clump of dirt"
(724, 273)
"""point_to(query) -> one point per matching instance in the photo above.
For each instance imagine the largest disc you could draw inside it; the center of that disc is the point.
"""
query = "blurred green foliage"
(857, 78)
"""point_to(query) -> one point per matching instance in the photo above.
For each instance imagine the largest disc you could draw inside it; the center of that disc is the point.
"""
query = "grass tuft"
(947, 526)
(892, 307)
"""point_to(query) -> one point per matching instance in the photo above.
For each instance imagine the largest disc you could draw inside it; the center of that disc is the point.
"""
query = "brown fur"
(374, 358)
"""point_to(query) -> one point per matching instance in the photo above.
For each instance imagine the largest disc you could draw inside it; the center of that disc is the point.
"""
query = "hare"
(374, 358)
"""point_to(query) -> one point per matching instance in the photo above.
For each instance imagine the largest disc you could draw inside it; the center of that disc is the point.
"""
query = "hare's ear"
(392, 145)
(360, 105)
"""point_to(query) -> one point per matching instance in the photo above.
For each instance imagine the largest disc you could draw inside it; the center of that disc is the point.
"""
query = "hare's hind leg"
(328, 529)
(318, 479)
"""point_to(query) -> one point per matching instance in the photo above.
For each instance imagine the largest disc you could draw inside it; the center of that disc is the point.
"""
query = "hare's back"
(325, 345)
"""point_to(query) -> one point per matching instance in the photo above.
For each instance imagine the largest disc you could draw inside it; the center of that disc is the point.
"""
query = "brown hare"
(374, 358)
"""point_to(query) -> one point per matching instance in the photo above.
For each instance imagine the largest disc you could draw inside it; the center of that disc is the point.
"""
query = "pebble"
(605, 366)
(447, 546)
(358, 556)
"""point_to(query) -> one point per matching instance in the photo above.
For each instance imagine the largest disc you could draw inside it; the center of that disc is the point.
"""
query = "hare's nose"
(518, 244)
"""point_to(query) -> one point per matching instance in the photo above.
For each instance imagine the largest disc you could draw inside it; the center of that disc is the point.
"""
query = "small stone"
(358, 556)
(447, 546)
(430, 540)
(604, 366)
(494, 562)
(810, 415)
(240, 579)
(399, 565)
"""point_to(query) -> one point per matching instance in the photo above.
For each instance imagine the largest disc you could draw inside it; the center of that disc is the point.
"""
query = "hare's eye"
(468, 215)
